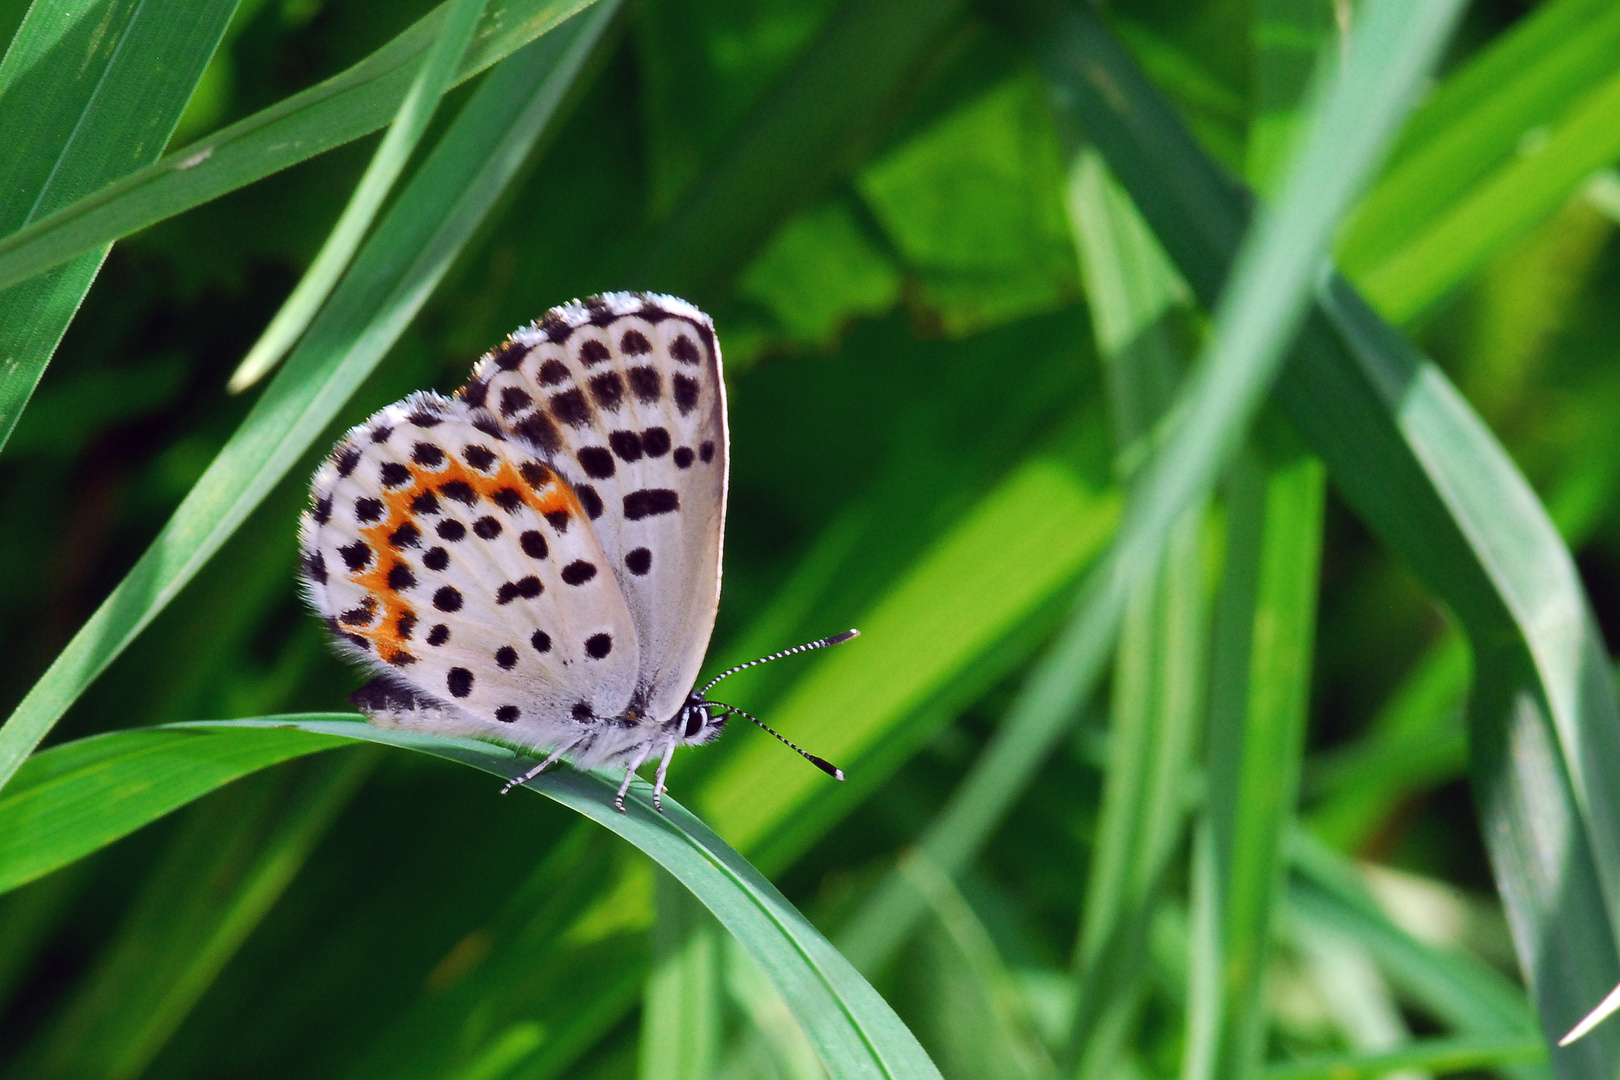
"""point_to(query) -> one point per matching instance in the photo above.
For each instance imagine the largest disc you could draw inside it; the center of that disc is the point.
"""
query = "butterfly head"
(700, 721)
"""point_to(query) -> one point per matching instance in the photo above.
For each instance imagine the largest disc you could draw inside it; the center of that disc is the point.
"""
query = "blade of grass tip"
(854, 1030)
(393, 275)
(680, 1012)
(87, 93)
(349, 105)
(1427, 476)
(220, 875)
(387, 163)
(1391, 51)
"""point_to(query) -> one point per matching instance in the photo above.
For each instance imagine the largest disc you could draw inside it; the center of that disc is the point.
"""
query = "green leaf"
(345, 107)
(1431, 481)
(79, 797)
(387, 163)
(87, 93)
(853, 1029)
(390, 279)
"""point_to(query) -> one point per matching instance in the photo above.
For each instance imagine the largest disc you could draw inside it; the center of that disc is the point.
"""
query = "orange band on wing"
(537, 486)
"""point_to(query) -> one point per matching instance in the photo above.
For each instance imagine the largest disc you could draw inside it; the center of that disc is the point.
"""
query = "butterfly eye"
(694, 721)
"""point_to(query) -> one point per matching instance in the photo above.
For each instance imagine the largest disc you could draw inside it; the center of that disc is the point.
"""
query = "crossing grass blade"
(1432, 482)
(87, 93)
(853, 1029)
(1438, 1057)
(680, 1009)
(387, 163)
(1222, 395)
(339, 110)
(391, 278)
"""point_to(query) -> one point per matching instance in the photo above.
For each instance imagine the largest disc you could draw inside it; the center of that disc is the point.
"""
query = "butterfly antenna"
(825, 766)
(809, 646)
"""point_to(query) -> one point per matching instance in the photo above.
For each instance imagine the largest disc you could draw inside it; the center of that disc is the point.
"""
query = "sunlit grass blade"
(391, 278)
(1429, 479)
(341, 109)
(387, 163)
(680, 1011)
(87, 93)
(1499, 210)
(1476, 120)
(223, 869)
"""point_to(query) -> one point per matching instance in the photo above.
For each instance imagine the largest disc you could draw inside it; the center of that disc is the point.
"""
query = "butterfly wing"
(444, 556)
(623, 396)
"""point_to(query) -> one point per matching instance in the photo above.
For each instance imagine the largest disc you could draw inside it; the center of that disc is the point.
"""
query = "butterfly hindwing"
(451, 560)
(623, 396)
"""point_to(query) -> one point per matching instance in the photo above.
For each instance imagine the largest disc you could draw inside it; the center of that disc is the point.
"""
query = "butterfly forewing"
(623, 396)
(446, 555)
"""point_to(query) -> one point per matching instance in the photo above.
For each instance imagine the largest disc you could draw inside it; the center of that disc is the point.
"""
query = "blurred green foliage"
(950, 338)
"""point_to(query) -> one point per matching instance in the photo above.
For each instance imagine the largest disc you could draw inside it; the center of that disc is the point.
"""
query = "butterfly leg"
(538, 769)
(629, 775)
(658, 782)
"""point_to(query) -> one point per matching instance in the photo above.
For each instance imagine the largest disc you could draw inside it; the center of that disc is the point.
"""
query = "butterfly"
(535, 560)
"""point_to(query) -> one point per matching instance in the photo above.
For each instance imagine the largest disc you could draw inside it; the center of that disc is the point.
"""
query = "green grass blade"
(390, 279)
(1254, 325)
(345, 107)
(387, 163)
(1432, 482)
(1259, 688)
(1499, 210)
(1132, 293)
(87, 93)
(1440, 1057)
(224, 868)
(47, 820)
(853, 1029)
(1477, 119)
(680, 1009)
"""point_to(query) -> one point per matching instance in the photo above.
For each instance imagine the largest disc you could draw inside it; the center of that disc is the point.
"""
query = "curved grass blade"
(409, 125)
(390, 280)
(1436, 1056)
(88, 92)
(1427, 476)
(79, 797)
(349, 105)
(1390, 52)
(853, 1029)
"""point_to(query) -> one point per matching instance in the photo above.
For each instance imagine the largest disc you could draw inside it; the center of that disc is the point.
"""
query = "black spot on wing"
(406, 536)
(355, 555)
(439, 634)
(626, 444)
(596, 461)
(541, 641)
(394, 474)
(368, 510)
(479, 457)
(578, 572)
(589, 500)
(608, 389)
(650, 502)
(400, 577)
(552, 372)
(684, 457)
(459, 682)
(684, 350)
(345, 458)
(638, 561)
(452, 530)
(527, 587)
(635, 343)
(597, 646)
(506, 657)
(533, 544)
(686, 393)
(459, 491)
(508, 355)
(514, 399)
(427, 455)
(425, 503)
(323, 510)
(592, 352)
(486, 528)
(315, 567)
(570, 408)
(448, 599)
(655, 441)
(538, 430)
(436, 559)
(646, 384)
(507, 714)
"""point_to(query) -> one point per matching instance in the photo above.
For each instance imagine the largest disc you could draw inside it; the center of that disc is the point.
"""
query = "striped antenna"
(809, 646)
(825, 766)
